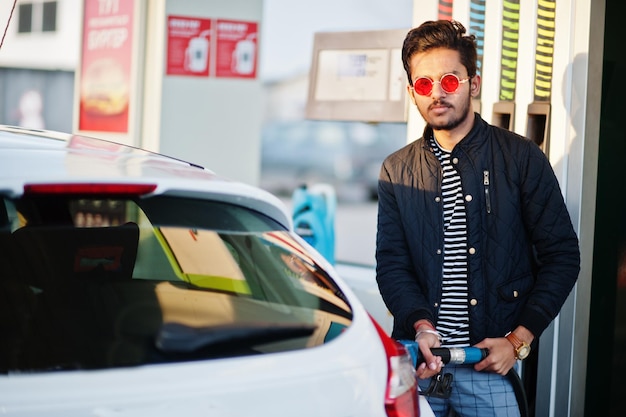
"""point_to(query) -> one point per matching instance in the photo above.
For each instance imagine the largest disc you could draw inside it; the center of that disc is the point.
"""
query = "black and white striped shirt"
(453, 321)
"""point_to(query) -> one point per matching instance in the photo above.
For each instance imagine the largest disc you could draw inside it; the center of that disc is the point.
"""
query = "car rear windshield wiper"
(181, 338)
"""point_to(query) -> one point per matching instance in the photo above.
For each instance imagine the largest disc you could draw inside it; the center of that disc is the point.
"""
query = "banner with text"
(106, 60)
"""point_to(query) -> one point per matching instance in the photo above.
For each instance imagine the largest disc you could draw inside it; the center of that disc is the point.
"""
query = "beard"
(458, 116)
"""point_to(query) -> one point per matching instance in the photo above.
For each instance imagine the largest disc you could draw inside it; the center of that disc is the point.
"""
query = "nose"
(437, 91)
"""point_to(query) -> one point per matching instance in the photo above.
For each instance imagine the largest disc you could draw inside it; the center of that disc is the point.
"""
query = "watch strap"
(515, 341)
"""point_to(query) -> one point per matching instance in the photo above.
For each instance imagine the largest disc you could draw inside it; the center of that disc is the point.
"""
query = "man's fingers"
(424, 372)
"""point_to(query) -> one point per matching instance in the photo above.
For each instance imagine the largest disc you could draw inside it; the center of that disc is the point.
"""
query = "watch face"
(523, 351)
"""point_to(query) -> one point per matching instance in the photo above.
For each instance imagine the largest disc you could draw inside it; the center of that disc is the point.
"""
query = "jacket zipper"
(486, 184)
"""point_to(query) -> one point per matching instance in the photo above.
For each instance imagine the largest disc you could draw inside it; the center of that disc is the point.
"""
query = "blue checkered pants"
(475, 394)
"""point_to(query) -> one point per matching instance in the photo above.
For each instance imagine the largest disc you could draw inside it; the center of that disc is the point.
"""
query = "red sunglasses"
(449, 83)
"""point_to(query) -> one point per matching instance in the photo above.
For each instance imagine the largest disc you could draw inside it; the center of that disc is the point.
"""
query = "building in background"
(54, 63)
(38, 61)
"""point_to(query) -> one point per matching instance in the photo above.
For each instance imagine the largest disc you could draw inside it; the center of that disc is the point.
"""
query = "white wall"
(286, 99)
(215, 122)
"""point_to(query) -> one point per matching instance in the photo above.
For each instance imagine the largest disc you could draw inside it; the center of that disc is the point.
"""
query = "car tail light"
(90, 188)
(401, 397)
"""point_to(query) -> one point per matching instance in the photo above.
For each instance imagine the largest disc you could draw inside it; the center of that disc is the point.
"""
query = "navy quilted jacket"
(523, 254)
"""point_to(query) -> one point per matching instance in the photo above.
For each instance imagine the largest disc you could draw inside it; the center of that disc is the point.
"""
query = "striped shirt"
(453, 321)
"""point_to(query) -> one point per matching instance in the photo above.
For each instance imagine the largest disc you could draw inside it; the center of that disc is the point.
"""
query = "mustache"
(439, 103)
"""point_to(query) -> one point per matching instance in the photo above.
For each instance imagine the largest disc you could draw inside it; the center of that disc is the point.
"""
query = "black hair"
(447, 34)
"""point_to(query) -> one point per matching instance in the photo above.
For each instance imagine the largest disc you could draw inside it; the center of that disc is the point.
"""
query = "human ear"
(475, 85)
(409, 91)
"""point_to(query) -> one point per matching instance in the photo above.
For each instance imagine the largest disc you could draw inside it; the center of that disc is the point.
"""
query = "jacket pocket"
(516, 289)
(511, 299)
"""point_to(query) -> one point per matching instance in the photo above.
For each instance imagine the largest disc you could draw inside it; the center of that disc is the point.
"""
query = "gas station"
(183, 79)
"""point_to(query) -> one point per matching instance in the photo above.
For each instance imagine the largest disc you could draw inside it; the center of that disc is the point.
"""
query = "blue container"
(314, 217)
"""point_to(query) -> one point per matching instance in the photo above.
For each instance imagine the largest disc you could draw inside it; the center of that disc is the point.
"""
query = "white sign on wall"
(358, 76)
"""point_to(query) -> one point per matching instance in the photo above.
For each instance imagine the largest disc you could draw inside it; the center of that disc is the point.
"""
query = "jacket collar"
(472, 139)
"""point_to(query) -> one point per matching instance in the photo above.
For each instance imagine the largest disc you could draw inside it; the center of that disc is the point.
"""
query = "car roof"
(30, 156)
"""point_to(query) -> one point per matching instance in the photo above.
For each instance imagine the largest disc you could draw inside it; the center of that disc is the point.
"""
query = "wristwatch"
(522, 349)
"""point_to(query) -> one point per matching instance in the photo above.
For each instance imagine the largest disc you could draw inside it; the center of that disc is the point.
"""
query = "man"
(475, 246)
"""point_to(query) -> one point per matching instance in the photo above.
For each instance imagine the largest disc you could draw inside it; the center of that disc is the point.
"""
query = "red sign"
(188, 46)
(236, 49)
(106, 65)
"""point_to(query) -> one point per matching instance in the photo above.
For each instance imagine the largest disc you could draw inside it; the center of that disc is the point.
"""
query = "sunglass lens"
(449, 83)
(423, 86)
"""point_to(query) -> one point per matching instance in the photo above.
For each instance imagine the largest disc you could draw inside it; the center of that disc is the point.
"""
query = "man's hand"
(432, 364)
(501, 356)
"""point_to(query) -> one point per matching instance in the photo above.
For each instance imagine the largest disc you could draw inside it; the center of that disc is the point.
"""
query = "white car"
(133, 284)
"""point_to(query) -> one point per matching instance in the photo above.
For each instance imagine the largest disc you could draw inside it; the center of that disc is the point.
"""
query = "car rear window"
(98, 282)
